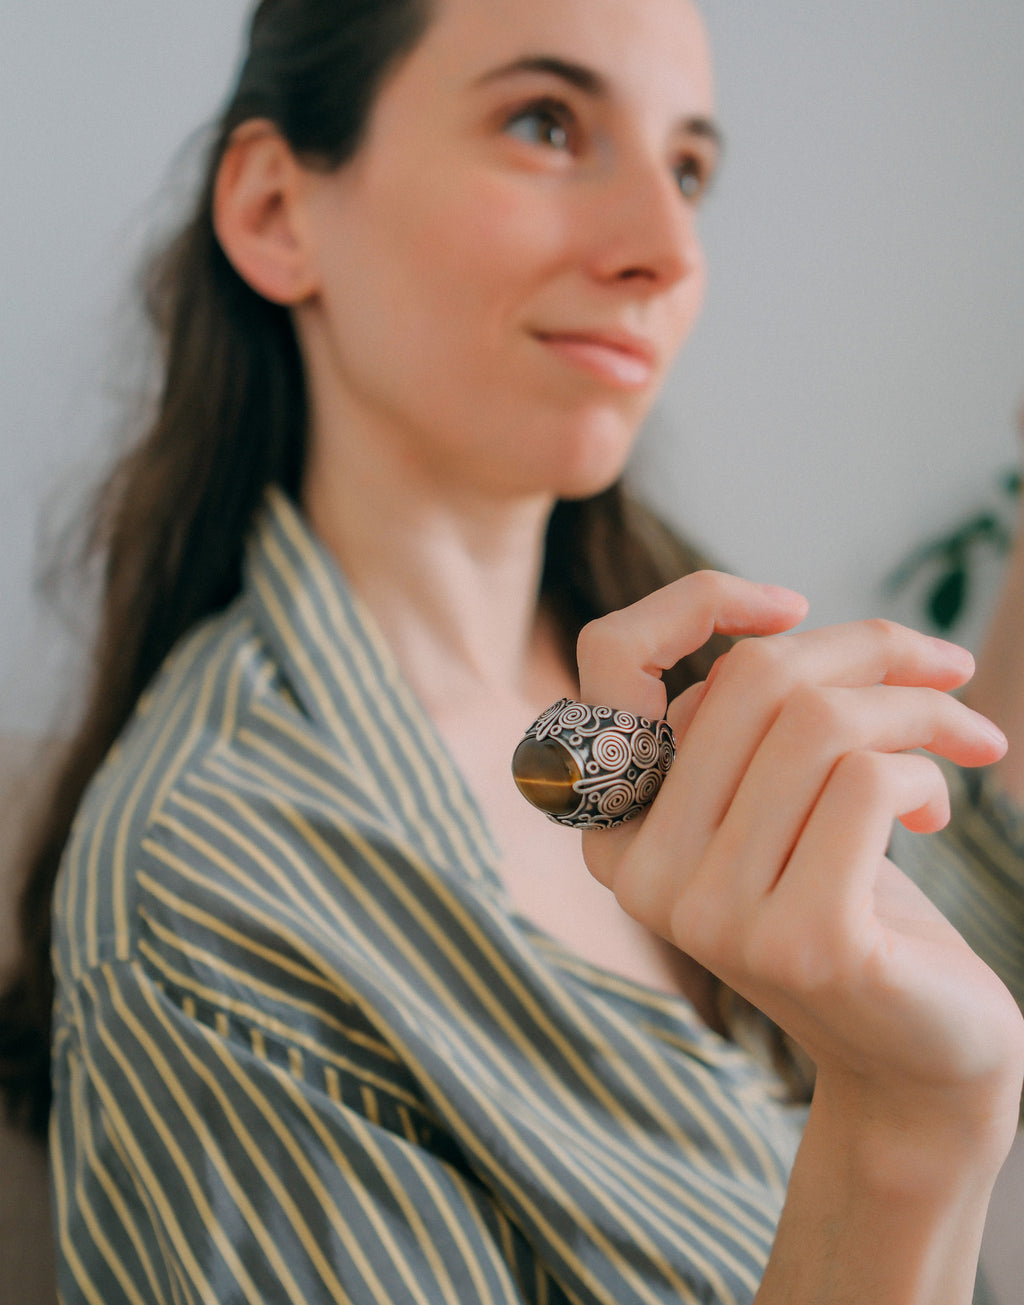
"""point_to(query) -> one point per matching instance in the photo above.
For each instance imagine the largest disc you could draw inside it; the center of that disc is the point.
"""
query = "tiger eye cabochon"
(592, 767)
(545, 772)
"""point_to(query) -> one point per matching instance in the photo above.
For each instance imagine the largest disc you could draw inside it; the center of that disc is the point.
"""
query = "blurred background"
(850, 395)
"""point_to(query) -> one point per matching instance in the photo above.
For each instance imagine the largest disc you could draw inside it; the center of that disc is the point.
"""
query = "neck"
(451, 578)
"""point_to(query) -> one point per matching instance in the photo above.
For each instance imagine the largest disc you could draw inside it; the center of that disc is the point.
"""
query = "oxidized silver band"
(592, 767)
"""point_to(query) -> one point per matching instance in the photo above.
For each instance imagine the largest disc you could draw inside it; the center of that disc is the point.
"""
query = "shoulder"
(224, 798)
(189, 719)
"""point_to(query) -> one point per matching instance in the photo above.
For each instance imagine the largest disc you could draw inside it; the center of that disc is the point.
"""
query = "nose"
(646, 230)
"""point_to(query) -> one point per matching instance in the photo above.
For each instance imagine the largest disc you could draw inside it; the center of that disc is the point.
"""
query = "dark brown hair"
(171, 520)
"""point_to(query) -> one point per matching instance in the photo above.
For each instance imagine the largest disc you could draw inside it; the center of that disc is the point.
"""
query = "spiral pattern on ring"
(611, 751)
(647, 786)
(616, 799)
(645, 747)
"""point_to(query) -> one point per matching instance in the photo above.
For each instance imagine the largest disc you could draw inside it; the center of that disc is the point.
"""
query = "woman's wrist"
(915, 1144)
(884, 1205)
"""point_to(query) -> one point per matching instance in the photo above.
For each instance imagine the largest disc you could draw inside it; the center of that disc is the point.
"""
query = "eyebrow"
(592, 83)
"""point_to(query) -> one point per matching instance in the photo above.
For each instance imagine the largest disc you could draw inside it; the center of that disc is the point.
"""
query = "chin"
(587, 486)
(596, 456)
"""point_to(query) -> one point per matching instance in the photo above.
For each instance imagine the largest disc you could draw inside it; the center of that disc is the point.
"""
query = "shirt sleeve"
(973, 870)
(191, 1167)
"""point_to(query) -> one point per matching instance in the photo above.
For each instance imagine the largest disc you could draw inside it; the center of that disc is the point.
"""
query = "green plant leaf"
(947, 599)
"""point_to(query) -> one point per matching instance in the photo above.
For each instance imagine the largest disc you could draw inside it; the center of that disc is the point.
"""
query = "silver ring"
(592, 767)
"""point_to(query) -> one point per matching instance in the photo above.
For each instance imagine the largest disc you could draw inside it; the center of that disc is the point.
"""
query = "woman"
(336, 1017)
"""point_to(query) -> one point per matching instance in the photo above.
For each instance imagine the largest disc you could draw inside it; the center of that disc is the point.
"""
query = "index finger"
(622, 655)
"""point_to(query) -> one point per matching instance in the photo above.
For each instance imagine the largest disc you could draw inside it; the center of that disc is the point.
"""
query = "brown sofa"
(26, 1241)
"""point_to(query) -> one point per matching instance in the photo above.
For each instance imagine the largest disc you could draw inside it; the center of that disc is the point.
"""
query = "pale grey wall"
(852, 386)
(854, 383)
(96, 98)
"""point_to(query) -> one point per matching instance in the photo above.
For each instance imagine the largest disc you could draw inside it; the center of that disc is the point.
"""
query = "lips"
(618, 358)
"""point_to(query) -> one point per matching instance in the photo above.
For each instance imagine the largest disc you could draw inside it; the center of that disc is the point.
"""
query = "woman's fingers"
(622, 656)
(816, 913)
(816, 728)
(683, 709)
(732, 868)
(789, 678)
(750, 685)
(855, 653)
(854, 960)
(763, 801)
(739, 807)
(833, 866)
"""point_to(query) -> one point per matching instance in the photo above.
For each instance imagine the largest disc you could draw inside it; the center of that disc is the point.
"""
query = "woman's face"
(511, 260)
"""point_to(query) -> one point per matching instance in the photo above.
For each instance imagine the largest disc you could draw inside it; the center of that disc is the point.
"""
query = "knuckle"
(589, 637)
(699, 926)
(762, 659)
(706, 585)
(937, 710)
(703, 593)
(926, 772)
(794, 955)
(598, 636)
(888, 633)
(863, 775)
(815, 714)
(884, 627)
(808, 969)
(943, 702)
(757, 953)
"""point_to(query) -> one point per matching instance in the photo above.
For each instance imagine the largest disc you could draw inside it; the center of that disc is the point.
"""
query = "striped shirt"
(305, 1049)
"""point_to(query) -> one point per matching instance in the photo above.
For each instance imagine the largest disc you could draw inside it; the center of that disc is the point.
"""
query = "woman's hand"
(763, 856)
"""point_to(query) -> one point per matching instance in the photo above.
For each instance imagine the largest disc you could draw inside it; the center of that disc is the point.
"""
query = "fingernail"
(992, 730)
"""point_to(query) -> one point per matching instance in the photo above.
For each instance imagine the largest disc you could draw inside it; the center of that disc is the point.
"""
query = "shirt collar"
(345, 678)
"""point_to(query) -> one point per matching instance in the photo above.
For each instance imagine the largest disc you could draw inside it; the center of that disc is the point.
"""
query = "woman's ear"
(257, 214)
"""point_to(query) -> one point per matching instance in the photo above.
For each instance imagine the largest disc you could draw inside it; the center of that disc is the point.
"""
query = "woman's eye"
(692, 176)
(541, 124)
